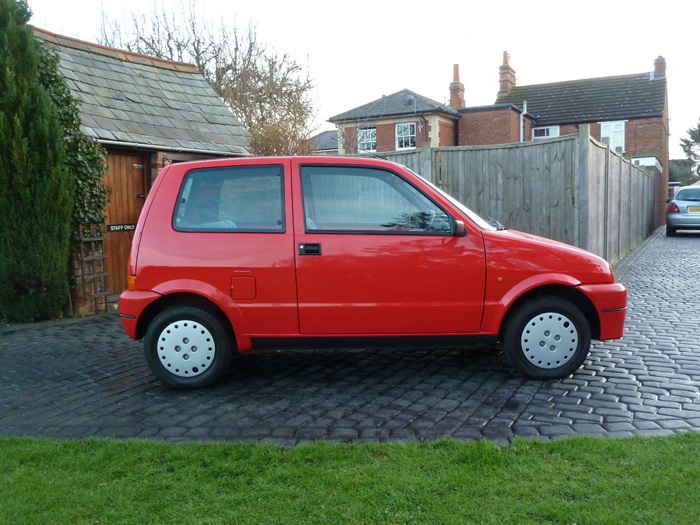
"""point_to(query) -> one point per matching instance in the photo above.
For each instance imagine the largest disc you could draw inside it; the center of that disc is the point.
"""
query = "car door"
(375, 255)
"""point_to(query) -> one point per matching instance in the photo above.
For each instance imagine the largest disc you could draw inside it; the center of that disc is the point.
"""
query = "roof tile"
(592, 100)
(132, 98)
(404, 102)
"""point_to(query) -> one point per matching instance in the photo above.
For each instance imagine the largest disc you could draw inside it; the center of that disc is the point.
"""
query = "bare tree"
(268, 92)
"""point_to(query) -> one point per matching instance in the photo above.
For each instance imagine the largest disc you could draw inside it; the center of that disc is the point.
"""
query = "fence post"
(425, 161)
(582, 227)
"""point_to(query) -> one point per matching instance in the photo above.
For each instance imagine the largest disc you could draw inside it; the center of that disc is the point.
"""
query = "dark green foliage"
(85, 157)
(36, 190)
(683, 171)
(691, 148)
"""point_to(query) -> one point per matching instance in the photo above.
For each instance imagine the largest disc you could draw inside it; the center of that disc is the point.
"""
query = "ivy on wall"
(85, 157)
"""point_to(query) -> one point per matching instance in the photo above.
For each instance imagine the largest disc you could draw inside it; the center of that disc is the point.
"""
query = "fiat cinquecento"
(238, 254)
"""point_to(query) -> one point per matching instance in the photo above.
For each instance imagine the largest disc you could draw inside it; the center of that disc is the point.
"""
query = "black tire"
(670, 232)
(547, 338)
(187, 347)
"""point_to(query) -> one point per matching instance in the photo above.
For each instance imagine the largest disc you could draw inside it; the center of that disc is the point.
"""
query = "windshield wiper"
(493, 222)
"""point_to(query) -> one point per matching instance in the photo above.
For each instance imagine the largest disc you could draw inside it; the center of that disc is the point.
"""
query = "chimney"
(507, 76)
(660, 67)
(456, 89)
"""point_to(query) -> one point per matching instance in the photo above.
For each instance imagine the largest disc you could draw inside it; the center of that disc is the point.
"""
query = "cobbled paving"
(84, 377)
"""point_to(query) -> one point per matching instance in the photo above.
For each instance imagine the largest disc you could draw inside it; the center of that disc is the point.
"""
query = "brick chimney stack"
(660, 67)
(456, 89)
(506, 76)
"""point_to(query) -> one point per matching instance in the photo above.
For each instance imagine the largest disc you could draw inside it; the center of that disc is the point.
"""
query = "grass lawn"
(577, 480)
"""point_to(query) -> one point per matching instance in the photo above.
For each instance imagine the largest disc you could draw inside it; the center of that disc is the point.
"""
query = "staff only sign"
(120, 228)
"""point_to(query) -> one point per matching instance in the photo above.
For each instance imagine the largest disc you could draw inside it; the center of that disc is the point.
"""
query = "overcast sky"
(359, 51)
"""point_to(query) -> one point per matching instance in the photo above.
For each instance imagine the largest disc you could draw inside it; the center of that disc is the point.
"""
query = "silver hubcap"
(186, 348)
(549, 340)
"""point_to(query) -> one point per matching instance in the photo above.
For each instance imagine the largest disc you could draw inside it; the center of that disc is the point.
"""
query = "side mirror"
(459, 229)
(668, 200)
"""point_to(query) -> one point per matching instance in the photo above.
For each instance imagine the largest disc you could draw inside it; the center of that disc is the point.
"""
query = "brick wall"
(501, 126)
(347, 140)
(643, 137)
(447, 134)
(386, 137)
(422, 133)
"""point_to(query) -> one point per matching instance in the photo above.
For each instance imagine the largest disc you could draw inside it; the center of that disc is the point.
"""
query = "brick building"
(627, 112)
(402, 121)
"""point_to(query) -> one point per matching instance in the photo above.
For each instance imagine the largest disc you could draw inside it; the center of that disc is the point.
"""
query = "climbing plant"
(85, 157)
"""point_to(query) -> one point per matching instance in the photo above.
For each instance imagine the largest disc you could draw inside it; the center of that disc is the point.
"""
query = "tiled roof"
(404, 102)
(592, 100)
(132, 99)
(325, 141)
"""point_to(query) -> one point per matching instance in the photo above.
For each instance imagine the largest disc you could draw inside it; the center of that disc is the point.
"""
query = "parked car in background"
(237, 254)
(683, 211)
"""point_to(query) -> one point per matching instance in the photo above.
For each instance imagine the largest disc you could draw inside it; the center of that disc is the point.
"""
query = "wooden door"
(127, 179)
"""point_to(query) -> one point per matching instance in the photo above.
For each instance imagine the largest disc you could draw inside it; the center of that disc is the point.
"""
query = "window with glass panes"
(367, 139)
(613, 134)
(405, 136)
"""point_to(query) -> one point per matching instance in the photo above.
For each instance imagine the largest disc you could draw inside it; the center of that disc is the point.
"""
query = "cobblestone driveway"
(85, 377)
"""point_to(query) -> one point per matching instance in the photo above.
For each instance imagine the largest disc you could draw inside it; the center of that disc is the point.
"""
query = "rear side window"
(355, 199)
(232, 199)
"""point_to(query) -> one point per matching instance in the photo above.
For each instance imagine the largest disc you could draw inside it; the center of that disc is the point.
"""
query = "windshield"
(690, 194)
(476, 219)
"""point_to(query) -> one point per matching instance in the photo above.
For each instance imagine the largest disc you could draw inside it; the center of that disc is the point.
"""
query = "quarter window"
(366, 139)
(405, 136)
(366, 200)
(232, 199)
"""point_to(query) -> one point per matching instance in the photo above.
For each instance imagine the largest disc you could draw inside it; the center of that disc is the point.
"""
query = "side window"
(366, 200)
(232, 199)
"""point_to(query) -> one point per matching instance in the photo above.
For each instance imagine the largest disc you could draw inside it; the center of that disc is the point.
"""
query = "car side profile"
(683, 210)
(238, 254)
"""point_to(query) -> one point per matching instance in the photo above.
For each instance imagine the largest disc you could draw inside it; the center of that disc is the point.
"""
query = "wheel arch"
(182, 298)
(568, 293)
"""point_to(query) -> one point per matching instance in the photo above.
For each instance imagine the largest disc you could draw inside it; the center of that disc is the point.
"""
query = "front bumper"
(610, 301)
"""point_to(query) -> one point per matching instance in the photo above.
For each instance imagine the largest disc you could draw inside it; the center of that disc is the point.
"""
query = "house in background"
(147, 113)
(325, 143)
(401, 121)
(629, 113)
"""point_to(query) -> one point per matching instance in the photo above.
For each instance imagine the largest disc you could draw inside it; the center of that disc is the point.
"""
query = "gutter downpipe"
(522, 121)
(425, 126)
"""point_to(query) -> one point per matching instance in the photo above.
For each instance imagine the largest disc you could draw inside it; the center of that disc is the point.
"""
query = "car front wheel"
(547, 338)
(187, 347)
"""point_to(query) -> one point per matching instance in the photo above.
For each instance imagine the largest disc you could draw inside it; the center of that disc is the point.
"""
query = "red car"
(232, 255)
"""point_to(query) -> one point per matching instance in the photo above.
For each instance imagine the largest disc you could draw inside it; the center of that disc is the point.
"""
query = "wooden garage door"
(127, 178)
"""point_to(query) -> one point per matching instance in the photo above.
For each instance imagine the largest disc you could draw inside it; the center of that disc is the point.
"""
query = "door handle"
(310, 248)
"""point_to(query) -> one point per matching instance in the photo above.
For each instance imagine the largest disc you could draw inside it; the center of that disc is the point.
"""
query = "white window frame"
(614, 132)
(549, 132)
(366, 135)
(405, 131)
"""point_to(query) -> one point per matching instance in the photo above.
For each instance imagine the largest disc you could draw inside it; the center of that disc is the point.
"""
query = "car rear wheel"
(670, 232)
(187, 347)
(547, 338)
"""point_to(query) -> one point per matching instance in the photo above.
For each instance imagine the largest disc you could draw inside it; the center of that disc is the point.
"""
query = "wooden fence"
(572, 189)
